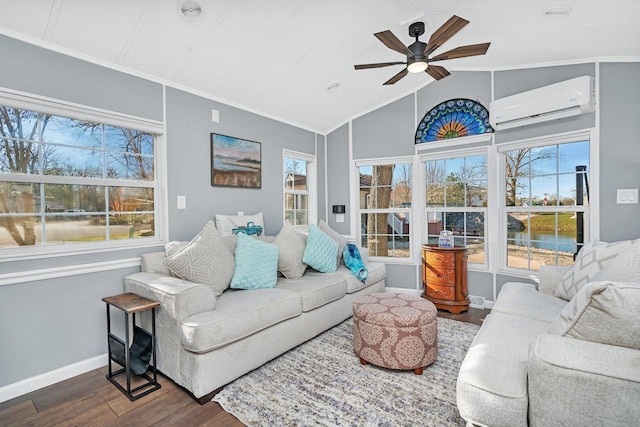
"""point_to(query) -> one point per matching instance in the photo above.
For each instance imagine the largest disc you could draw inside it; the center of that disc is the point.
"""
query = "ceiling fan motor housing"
(416, 29)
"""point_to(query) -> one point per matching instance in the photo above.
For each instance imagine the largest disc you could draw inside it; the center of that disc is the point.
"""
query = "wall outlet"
(476, 301)
(240, 213)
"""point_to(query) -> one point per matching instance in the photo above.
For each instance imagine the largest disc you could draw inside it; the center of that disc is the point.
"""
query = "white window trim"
(312, 187)
(457, 153)
(414, 248)
(591, 215)
(42, 104)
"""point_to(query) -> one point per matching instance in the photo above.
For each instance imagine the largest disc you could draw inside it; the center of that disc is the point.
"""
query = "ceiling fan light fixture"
(417, 66)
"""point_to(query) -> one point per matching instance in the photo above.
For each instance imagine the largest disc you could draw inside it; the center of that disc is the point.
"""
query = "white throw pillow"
(604, 312)
(623, 268)
(226, 223)
(292, 245)
(592, 258)
(205, 259)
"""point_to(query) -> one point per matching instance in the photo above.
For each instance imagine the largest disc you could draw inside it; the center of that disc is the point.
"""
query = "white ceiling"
(276, 57)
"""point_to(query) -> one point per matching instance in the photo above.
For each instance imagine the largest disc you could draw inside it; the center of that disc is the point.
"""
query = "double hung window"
(67, 181)
(385, 209)
(299, 188)
(546, 202)
(456, 200)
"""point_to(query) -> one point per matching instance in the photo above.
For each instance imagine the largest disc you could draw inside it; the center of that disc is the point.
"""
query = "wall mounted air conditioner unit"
(564, 99)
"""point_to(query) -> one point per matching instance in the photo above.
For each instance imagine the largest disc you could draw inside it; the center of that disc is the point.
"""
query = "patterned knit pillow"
(256, 264)
(321, 252)
(590, 260)
(342, 241)
(205, 259)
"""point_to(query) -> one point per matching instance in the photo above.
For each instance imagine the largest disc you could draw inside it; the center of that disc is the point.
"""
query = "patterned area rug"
(322, 383)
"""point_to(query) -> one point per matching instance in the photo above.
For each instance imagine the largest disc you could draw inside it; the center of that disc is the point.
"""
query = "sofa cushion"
(623, 268)
(153, 262)
(603, 312)
(321, 251)
(315, 289)
(292, 245)
(256, 264)
(226, 223)
(592, 258)
(238, 314)
(204, 260)
(342, 241)
(494, 371)
(524, 300)
(377, 272)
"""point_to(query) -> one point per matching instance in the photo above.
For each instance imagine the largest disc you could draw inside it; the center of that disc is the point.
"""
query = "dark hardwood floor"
(90, 400)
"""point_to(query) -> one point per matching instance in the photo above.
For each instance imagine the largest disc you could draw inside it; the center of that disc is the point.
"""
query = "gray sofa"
(204, 342)
(540, 360)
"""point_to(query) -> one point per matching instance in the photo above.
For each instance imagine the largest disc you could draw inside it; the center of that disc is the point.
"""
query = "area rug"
(322, 383)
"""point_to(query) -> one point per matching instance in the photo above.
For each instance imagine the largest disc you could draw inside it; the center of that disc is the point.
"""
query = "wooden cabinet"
(444, 277)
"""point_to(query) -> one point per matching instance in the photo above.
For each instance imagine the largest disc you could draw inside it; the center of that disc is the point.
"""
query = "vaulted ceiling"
(277, 57)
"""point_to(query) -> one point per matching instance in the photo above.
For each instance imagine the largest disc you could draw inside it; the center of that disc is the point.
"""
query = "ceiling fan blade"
(462, 51)
(378, 65)
(397, 77)
(392, 42)
(437, 72)
(444, 33)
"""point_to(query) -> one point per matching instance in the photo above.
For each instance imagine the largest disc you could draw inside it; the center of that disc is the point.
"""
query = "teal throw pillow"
(321, 252)
(256, 264)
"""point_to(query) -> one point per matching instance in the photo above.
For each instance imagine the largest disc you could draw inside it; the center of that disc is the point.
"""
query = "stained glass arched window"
(452, 119)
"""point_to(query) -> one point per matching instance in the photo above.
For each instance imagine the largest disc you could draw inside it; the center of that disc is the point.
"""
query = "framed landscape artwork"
(235, 162)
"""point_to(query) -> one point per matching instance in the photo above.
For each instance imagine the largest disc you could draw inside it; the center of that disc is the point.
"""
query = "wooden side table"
(126, 353)
(444, 277)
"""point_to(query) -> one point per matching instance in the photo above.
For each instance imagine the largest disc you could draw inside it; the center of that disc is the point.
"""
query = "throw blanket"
(353, 261)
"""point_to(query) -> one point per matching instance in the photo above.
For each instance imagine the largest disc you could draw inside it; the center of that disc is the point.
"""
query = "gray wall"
(338, 190)
(50, 324)
(619, 148)
(189, 127)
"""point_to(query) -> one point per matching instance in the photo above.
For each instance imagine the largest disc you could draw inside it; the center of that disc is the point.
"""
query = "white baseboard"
(476, 302)
(28, 385)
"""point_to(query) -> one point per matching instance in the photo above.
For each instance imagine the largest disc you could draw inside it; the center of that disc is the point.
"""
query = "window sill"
(35, 253)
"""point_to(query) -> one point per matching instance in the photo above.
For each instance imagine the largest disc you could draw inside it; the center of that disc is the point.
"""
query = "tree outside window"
(64, 180)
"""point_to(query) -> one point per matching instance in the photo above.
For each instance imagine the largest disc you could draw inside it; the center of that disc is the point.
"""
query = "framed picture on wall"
(235, 162)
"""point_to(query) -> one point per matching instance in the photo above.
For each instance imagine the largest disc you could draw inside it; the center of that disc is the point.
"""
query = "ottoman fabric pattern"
(396, 331)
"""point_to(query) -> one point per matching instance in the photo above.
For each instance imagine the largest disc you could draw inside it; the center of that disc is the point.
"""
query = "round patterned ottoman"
(396, 331)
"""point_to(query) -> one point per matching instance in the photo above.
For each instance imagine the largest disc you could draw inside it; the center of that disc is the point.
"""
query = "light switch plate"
(627, 196)
(182, 202)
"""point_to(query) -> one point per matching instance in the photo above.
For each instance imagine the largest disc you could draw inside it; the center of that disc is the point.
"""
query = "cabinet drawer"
(442, 292)
(440, 258)
(439, 275)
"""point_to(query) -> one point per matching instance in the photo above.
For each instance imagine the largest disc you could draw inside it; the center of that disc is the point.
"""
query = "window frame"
(409, 210)
(45, 105)
(311, 192)
(486, 210)
(590, 210)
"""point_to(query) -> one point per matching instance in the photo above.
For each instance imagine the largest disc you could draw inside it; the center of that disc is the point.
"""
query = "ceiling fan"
(418, 52)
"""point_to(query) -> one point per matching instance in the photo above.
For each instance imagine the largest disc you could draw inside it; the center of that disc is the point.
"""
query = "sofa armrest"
(178, 298)
(550, 276)
(576, 382)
